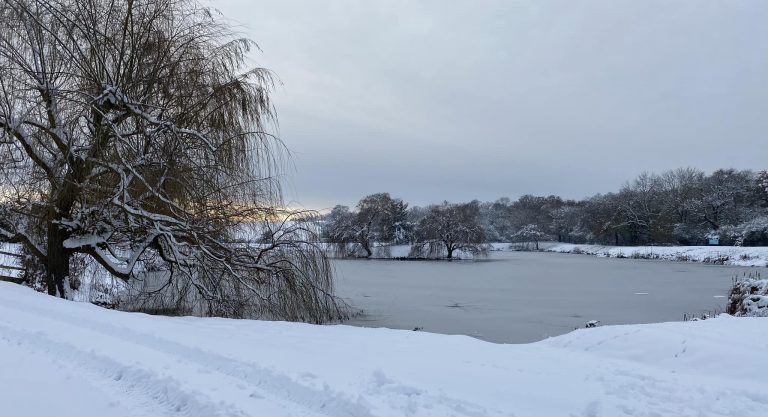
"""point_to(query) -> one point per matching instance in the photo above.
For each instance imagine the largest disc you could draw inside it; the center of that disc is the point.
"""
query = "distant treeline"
(678, 207)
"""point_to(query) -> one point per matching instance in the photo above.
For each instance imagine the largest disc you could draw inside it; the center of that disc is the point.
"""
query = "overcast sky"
(448, 100)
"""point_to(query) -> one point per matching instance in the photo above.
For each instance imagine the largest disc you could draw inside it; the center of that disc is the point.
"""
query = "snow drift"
(74, 359)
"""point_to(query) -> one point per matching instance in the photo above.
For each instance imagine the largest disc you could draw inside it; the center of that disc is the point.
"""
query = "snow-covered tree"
(530, 233)
(132, 130)
(567, 223)
(530, 209)
(340, 229)
(680, 189)
(725, 198)
(378, 219)
(497, 220)
(382, 219)
(447, 228)
(762, 187)
(640, 209)
(753, 232)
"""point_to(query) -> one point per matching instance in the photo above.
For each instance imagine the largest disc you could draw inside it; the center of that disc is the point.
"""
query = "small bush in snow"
(749, 296)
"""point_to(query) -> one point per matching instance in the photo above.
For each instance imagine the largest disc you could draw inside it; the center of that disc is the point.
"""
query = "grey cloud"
(434, 100)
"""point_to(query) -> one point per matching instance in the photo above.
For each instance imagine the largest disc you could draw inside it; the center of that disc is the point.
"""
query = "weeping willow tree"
(133, 136)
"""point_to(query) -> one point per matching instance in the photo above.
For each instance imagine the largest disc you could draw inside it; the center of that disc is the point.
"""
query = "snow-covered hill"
(73, 359)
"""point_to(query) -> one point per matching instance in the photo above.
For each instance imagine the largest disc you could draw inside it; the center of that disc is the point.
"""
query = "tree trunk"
(450, 251)
(57, 269)
(367, 248)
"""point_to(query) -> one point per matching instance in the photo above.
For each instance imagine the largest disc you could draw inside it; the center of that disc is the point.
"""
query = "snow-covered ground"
(721, 255)
(74, 359)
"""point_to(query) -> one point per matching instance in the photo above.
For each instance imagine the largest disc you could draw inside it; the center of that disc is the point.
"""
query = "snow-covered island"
(99, 362)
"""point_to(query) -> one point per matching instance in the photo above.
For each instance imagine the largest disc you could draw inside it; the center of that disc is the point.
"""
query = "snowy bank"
(75, 359)
(720, 255)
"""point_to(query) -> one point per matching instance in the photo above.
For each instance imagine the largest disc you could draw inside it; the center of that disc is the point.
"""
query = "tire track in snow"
(156, 396)
(271, 384)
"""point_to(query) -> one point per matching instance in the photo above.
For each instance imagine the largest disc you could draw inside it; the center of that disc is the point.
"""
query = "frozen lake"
(517, 297)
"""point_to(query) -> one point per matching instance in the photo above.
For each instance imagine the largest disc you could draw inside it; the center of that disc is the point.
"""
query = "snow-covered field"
(74, 359)
(721, 255)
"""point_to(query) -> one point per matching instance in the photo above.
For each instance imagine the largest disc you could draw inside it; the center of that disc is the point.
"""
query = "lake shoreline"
(756, 256)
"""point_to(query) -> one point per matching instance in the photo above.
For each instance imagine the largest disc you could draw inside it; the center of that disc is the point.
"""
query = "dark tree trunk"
(450, 251)
(367, 248)
(57, 269)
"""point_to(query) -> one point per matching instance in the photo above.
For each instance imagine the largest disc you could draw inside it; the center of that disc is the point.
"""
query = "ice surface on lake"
(526, 296)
